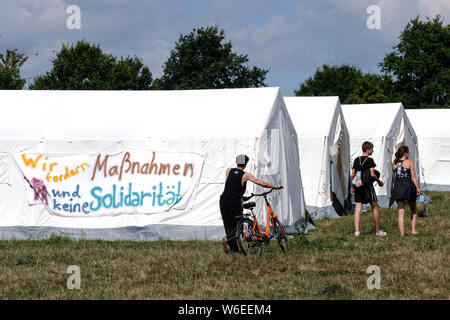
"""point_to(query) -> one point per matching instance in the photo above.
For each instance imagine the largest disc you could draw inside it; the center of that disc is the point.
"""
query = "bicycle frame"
(269, 221)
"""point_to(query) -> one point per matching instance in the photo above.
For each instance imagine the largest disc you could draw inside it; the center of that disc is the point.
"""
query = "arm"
(248, 177)
(372, 173)
(352, 176)
(228, 172)
(414, 177)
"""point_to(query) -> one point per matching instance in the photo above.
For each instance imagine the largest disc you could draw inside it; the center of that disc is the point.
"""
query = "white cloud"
(290, 37)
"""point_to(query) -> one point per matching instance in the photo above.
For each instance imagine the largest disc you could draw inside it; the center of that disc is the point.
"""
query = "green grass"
(328, 263)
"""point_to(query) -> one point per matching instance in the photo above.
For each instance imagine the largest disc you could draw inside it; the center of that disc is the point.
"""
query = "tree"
(420, 64)
(203, 60)
(86, 67)
(349, 83)
(371, 88)
(10, 64)
(331, 81)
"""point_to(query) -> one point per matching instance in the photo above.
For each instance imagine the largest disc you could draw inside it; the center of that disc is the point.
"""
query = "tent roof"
(380, 116)
(199, 114)
(312, 116)
(430, 122)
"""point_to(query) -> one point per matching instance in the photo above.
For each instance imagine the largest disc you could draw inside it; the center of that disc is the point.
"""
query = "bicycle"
(249, 235)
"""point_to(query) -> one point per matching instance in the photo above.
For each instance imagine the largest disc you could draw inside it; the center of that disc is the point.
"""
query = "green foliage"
(331, 81)
(420, 64)
(10, 64)
(371, 88)
(349, 83)
(58, 239)
(201, 60)
(86, 67)
(27, 259)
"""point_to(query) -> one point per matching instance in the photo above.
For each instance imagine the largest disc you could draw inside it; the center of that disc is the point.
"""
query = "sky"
(289, 38)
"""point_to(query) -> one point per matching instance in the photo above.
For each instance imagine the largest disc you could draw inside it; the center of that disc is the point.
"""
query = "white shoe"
(381, 233)
(357, 233)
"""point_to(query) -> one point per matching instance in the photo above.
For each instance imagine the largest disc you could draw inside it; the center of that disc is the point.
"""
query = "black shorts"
(365, 194)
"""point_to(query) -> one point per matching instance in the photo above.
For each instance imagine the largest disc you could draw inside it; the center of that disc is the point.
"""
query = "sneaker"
(357, 233)
(226, 247)
(381, 233)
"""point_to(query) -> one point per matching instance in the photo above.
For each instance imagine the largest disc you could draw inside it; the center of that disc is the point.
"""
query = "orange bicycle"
(249, 235)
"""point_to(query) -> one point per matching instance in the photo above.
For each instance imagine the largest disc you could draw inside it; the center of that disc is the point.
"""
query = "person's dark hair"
(367, 145)
(400, 153)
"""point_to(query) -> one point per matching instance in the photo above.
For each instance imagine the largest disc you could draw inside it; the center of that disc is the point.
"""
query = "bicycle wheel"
(281, 235)
(247, 244)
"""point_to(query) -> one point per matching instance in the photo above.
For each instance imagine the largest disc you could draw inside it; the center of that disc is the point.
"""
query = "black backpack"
(367, 179)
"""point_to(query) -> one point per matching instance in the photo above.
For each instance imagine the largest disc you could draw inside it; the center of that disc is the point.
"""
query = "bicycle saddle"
(249, 205)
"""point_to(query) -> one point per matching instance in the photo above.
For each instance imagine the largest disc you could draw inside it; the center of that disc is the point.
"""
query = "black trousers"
(229, 212)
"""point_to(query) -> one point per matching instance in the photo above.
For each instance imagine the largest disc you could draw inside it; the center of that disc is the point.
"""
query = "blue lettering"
(56, 206)
(85, 206)
(160, 195)
(76, 193)
(98, 198)
(60, 194)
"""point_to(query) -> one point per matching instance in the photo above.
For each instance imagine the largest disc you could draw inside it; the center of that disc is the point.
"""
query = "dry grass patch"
(328, 263)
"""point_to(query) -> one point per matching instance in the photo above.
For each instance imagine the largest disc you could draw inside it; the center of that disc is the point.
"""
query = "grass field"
(328, 263)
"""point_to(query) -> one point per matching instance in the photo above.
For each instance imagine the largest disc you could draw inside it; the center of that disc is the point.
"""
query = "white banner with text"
(102, 184)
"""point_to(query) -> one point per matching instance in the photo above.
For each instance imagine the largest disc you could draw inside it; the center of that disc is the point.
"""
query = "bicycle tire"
(281, 236)
(247, 244)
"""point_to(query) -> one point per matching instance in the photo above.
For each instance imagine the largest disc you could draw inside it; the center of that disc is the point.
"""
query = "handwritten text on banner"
(110, 184)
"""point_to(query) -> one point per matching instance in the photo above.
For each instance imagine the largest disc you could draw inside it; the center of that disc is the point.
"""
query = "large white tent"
(211, 126)
(433, 130)
(387, 126)
(324, 150)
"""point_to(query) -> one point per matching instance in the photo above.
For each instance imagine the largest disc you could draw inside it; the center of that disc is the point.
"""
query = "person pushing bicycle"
(232, 198)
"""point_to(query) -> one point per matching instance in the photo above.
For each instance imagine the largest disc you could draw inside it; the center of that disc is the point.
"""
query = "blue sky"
(290, 38)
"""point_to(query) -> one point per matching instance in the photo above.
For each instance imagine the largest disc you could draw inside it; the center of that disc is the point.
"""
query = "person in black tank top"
(232, 198)
(234, 190)
(405, 188)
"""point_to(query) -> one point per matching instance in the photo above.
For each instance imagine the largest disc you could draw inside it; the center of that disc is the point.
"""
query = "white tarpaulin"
(387, 126)
(216, 125)
(324, 150)
(433, 130)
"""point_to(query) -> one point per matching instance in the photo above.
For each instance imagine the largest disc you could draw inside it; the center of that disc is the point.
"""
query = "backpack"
(358, 180)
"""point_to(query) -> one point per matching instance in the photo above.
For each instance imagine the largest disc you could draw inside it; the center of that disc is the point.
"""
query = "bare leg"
(376, 215)
(401, 216)
(357, 215)
(412, 206)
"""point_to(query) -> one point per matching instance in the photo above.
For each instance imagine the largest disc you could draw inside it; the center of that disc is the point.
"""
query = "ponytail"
(400, 153)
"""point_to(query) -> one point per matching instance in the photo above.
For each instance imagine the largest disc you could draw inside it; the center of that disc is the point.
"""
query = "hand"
(352, 189)
(279, 186)
(418, 191)
(380, 183)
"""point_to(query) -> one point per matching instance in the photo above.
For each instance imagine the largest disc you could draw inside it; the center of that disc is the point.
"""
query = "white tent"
(324, 150)
(387, 126)
(433, 130)
(205, 127)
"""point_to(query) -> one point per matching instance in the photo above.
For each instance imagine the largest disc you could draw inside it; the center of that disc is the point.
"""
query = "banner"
(102, 184)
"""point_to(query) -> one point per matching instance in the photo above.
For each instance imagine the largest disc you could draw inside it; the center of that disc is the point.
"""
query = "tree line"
(416, 72)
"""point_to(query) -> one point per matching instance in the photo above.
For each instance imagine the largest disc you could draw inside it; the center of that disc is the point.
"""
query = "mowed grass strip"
(327, 263)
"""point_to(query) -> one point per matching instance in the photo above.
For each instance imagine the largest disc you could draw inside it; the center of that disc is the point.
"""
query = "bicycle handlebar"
(264, 193)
